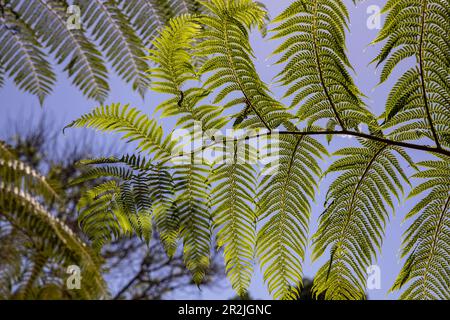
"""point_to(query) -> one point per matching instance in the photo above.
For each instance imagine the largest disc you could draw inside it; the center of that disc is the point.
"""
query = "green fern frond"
(119, 41)
(132, 124)
(284, 210)
(121, 203)
(172, 54)
(234, 219)
(316, 63)
(418, 103)
(225, 46)
(175, 67)
(23, 197)
(21, 55)
(426, 243)
(353, 224)
(150, 16)
(156, 195)
(83, 61)
(166, 215)
(192, 199)
(100, 216)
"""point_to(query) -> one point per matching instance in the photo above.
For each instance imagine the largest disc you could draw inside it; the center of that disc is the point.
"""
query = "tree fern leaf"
(425, 273)
(316, 63)
(233, 215)
(195, 220)
(353, 224)
(284, 210)
(21, 55)
(227, 49)
(117, 39)
(132, 124)
(417, 28)
(84, 62)
(147, 16)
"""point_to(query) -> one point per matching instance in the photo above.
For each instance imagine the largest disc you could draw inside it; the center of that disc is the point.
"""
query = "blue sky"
(66, 104)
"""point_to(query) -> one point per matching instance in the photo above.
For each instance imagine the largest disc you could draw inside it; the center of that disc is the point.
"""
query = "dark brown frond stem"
(374, 138)
(337, 133)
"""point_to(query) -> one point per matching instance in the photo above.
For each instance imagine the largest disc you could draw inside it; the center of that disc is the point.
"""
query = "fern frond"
(172, 55)
(23, 197)
(418, 103)
(234, 219)
(150, 16)
(426, 243)
(83, 61)
(119, 41)
(165, 208)
(225, 45)
(192, 199)
(147, 17)
(21, 55)
(353, 224)
(316, 63)
(180, 7)
(174, 68)
(121, 203)
(132, 124)
(284, 210)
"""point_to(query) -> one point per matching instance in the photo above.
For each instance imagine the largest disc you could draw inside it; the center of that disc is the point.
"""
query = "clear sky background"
(67, 103)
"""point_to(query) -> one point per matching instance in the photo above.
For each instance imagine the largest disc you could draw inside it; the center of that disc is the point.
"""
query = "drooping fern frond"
(172, 54)
(151, 16)
(21, 55)
(234, 218)
(132, 124)
(353, 223)
(192, 199)
(185, 6)
(284, 210)
(24, 195)
(165, 208)
(121, 28)
(83, 61)
(226, 47)
(316, 64)
(147, 17)
(117, 39)
(426, 243)
(418, 103)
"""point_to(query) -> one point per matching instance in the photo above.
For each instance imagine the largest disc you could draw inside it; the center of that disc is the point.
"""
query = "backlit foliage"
(111, 31)
(204, 64)
(26, 225)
